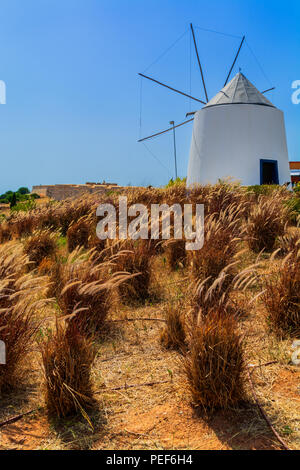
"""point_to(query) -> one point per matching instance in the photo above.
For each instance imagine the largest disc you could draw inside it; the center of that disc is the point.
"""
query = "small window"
(269, 172)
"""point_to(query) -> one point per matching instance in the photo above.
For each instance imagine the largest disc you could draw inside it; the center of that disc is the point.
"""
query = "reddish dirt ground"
(24, 435)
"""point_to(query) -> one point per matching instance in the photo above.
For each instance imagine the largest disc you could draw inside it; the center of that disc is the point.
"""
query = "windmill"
(230, 139)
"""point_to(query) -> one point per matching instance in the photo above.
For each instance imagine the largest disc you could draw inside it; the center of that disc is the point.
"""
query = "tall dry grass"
(290, 242)
(21, 298)
(78, 234)
(173, 335)
(67, 358)
(135, 257)
(267, 221)
(277, 286)
(52, 215)
(207, 297)
(5, 233)
(213, 267)
(41, 244)
(84, 285)
(219, 197)
(62, 215)
(214, 366)
(281, 297)
(175, 252)
(221, 240)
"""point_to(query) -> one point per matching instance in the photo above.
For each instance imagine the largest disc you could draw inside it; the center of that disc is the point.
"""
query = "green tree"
(13, 200)
(23, 190)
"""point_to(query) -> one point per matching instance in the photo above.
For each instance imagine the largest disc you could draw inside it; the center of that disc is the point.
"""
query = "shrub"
(21, 224)
(175, 182)
(78, 234)
(5, 233)
(135, 259)
(175, 252)
(13, 200)
(42, 244)
(70, 211)
(290, 242)
(17, 331)
(281, 297)
(213, 268)
(25, 206)
(13, 264)
(266, 222)
(265, 189)
(19, 300)
(296, 188)
(23, 190)
(67, 358)
(208, 297)
(145, 196)
(220, 246)
(293, 204)
(173, 194)
(94, 242)
(84, 285)
(173, 336)
(55, 274)
(212, 258)
(223, 195)
(214, 366)
(60, 215)
(27, 217)
(46, 266)
(35, 196)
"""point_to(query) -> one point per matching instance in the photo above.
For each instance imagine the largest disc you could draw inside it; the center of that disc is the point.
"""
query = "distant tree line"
(13, 197)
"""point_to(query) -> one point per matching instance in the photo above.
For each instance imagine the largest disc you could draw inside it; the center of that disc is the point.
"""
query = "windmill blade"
(167, 130)
(171, 88)
(190, 114)
(199, 63)
(269, 89)
(235, 59)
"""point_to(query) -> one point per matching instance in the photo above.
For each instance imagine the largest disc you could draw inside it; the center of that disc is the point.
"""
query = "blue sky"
(74, 97)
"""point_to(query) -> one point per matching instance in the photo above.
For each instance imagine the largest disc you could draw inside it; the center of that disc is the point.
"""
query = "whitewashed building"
(239, 134)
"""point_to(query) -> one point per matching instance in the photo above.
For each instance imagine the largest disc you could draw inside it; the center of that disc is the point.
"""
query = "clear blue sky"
(73, 95)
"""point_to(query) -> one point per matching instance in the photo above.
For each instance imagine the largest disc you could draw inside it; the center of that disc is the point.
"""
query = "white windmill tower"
(239, 134)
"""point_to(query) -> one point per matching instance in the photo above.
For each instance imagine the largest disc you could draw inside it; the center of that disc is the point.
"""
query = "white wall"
(230, 140)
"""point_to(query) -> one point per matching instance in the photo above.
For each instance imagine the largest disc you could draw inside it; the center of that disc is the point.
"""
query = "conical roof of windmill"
(239, 91)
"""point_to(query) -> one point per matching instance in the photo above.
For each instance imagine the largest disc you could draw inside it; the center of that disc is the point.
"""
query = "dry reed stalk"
(86, 284)
(135, 257)
(281, 297)
(173, 336)
(267, 221)
(214, 367)
(21, 296)
(41, 244)
(78, 234)
(67, 358)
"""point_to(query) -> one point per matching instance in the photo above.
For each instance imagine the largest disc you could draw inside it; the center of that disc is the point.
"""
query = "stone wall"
(60, 192)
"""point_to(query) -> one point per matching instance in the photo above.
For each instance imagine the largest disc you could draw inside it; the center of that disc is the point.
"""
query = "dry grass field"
(143, 345)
